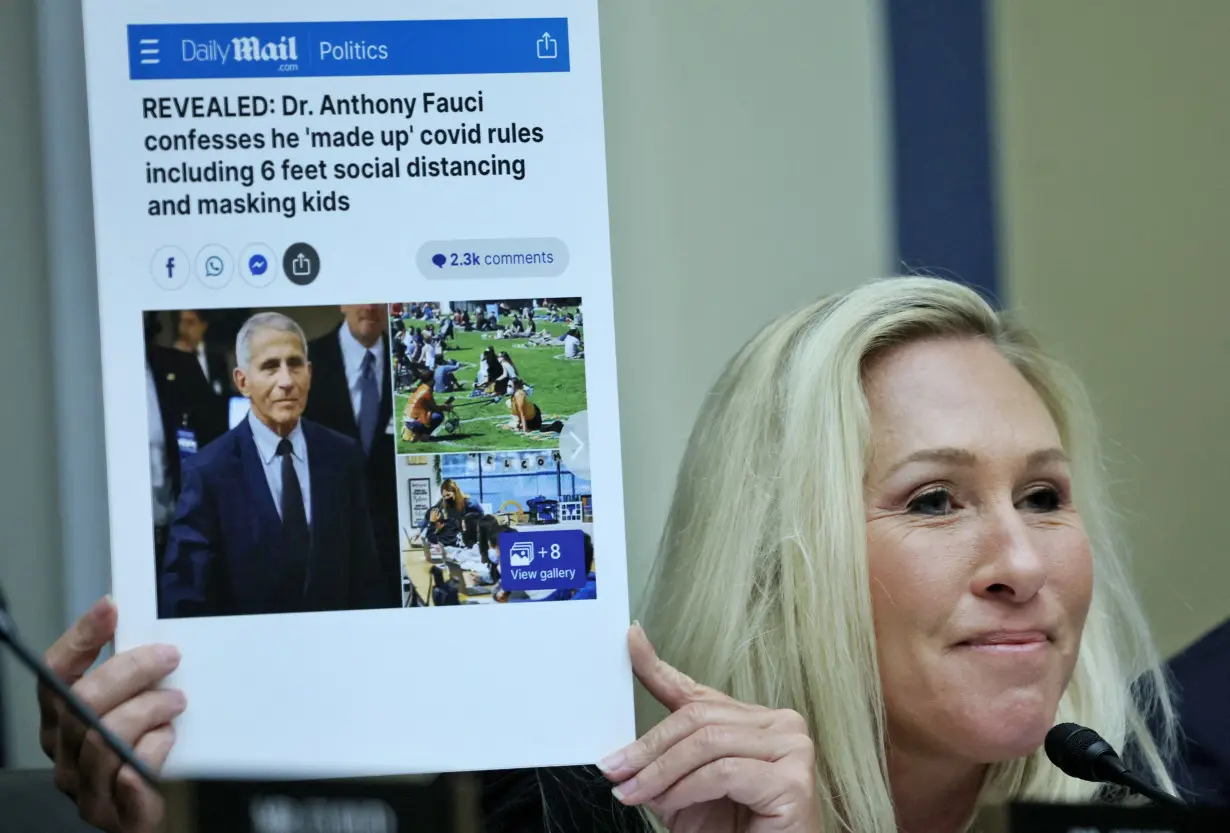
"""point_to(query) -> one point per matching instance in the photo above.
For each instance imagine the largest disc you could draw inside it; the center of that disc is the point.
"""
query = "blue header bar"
(382, 47)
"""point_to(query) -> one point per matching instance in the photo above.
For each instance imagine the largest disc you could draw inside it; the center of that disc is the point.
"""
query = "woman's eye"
(934, 502)
(1043, 500)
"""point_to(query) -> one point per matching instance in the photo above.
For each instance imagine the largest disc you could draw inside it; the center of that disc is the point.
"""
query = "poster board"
(386, 218)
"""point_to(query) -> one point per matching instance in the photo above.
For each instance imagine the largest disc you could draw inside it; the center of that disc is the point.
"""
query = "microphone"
(1082, 753)
(9, 636)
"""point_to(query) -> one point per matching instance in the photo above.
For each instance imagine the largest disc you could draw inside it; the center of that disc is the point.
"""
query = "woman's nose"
(1012, 566)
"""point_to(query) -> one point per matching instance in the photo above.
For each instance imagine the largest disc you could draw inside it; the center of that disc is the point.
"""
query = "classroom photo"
(494, 527)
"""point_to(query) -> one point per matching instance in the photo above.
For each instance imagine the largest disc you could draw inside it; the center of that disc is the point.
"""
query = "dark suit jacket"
(1201, 676)
(226, 557)
(219, 375)
(330, 405)
(184, 400)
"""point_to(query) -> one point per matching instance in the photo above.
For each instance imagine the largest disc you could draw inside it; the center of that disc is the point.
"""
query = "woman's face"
(981, 574)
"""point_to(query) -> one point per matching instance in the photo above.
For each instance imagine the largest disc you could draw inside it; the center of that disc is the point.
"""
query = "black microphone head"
(1078, 751)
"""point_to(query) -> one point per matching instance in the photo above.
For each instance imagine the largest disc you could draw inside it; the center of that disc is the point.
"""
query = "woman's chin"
(1007, 730)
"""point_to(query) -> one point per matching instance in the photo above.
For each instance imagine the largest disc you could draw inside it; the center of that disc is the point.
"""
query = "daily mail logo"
(248, 48)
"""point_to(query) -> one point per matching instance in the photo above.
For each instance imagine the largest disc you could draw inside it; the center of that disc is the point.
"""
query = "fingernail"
(181, 700)
(611, 763)
(103, 606)
(168, 654)
(625, 790)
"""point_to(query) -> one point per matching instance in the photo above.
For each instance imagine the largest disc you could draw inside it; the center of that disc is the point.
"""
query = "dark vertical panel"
(943, 140)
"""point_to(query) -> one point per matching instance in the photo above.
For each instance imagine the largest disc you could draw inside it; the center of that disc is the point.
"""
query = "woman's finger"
(702, 748)
(132, 720)
(771, 791)
(69, 657)
(98, 765)
(669, 686)
(116, 681)
(74, 652)
(691, 719)
(139, 807)
(126, 675)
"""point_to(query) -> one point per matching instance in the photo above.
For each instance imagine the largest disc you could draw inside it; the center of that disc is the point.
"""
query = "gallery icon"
(170, 267)
(521, 554)
(256, 265)
(214, 266)
(301, 263)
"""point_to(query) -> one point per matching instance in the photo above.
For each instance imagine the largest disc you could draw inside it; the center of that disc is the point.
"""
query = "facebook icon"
(169, 268)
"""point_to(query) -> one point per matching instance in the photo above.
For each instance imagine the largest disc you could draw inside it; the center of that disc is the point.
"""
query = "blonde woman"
(888, 571)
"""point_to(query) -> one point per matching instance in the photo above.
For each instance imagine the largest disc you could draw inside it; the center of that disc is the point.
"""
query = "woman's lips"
(1007, 638)
(1007, 642)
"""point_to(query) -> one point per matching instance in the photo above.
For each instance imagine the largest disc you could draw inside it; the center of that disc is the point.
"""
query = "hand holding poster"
(357, 332)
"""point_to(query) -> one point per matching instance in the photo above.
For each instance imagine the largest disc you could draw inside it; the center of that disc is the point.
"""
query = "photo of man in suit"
(273, 517)
(353, 395)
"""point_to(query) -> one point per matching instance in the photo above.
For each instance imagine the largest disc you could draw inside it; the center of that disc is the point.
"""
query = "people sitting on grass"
(507, 375)
(445, 376)
(452, 513)
(526, 416)
(542, 338)
(447, 330)
(572, 344)
(489, 371)
(422, 415)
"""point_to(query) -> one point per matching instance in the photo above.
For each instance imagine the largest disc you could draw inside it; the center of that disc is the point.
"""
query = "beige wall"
(746, 151)
(1115, 176)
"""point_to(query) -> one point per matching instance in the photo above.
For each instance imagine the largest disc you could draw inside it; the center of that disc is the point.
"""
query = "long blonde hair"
(761, 585)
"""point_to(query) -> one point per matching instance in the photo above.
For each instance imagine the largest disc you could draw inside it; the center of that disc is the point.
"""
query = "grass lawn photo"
(481, 420)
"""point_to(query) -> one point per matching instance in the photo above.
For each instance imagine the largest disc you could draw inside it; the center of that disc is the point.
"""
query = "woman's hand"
(715, 765)
(123, 692)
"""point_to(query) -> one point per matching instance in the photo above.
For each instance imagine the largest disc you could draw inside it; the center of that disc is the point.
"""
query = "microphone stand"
(9, 636)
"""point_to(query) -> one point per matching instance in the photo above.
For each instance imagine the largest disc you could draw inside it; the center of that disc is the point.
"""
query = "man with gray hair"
(273, 516)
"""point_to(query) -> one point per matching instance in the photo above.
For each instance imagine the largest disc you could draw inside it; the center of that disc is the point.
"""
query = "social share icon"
(170, 267)
(521, 554)
(213, 266)
(301, 263)
(548, 47)
(254, 265)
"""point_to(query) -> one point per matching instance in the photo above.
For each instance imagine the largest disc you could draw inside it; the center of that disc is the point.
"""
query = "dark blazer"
(225, 555)
(1201, 678)
(219, 375)
(330, 406)
(185, 400)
